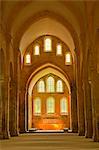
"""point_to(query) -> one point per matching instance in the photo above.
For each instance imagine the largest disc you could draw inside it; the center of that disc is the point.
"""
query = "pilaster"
(5, 110)
(88, 110)
(74, 109)
(22, 111)
(81, 117)
(13, 122)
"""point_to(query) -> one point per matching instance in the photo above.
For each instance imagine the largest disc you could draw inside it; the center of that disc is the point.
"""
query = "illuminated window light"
(47, 44)
(50, 105)
(28, 59)
(59, 49)
(64, 106)
(59, 86)
(37, 106)
(68, 59)
(37, 50)
(50, 84)
(41, 86)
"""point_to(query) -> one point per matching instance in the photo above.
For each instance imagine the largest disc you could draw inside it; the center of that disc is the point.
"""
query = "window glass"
(59, 49)
(64, 106)
(37, 106)
(37, 50)
(68, 59)
(47, 44)
(50, 84)
(28, 59)
(50, 105)
(59, 86)
(41, 86)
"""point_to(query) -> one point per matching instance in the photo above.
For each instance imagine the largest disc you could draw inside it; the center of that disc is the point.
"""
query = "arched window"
(28, 59)
(59, 86)
(50, 105)
(37, 106)
(37, 50)
(41, 86)
(68, 59)
(59, 49)
(64, 106)
(50, 84)
(47, 45)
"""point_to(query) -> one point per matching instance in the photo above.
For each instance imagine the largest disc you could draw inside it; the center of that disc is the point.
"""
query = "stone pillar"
(18, 83)
(95, 104)
(80, 94)
(14, 93)
(88, 110)
(13, 122)
(26, 111)
(1, 107)
(94, 55)
(22, 111)
(4, 103)
(87, 96)
(5, 112)
(30, 117)
(74, 109)
(80, 108)
(80, 99)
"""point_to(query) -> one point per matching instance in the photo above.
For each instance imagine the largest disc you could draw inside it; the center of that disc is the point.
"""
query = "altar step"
(34, 130)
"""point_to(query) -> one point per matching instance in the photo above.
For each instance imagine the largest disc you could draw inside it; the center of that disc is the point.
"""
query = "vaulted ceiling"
(27, 20)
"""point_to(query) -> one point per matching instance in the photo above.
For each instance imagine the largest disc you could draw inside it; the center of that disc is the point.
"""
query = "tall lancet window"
(59, 49)
(37, 106)
(28, 59)
(47, 44)
(41, 86)
(37, 50)
(50, 84)
(64, 106)
(50, 105)
(68, 59)
(59, 86)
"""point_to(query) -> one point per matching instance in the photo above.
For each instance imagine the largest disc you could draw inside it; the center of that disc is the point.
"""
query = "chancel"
(49, 68)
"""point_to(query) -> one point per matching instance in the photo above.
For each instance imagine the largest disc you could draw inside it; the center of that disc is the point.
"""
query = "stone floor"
(48, 141)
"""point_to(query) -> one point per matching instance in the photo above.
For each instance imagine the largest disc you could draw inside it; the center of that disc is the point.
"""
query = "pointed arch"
(37, 75)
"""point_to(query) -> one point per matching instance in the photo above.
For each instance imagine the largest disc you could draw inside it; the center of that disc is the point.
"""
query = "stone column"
(18, 83)
(87, 96)
(95, 104)
(22, 111)
(26, 111)
(74, 109)
(80, 99)
(5, 112)
(13, 122)
(94, 55)
(4, 101)
(80, 106)
(14, 93)
(30, 117)
(1, 107)
(88, 110)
